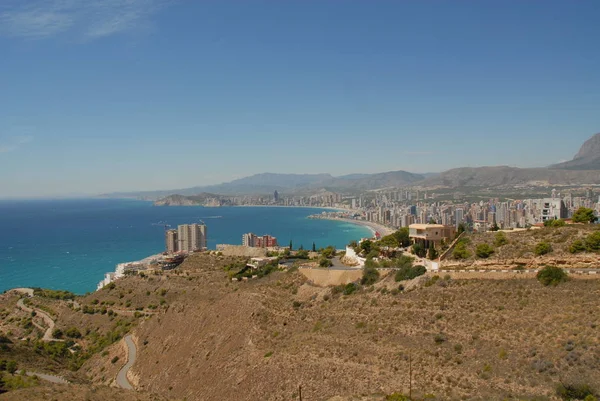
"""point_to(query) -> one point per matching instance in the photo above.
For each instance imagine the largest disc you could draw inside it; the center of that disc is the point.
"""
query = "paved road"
(122, 380)
(50, 378)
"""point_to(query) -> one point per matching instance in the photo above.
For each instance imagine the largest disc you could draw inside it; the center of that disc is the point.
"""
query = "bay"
(70, 244)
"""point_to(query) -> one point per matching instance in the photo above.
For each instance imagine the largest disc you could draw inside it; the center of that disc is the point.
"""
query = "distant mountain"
(285, 183)
(588, 157)
(504, 176)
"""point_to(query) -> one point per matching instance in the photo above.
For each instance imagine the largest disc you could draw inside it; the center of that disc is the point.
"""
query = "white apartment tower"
(191, 237)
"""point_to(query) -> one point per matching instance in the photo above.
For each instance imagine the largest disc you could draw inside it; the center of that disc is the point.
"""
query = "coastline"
(374, 227)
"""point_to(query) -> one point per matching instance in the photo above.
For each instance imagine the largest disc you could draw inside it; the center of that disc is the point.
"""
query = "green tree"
(314, 247)
(584, 215)
(370, 275)
(432, 221)
(432, 253)
(73, 332)
(542, 248)
(57, 333)
(366, 246)
(461, 229)
(500, 239)
(291, 246)
(484, 251)
(301, 247)
(551, 275)
(419, 250)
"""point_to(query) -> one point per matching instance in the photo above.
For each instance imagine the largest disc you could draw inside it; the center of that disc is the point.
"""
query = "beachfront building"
(171, 243)
(252, 240)
(191, 237)
(427, 233)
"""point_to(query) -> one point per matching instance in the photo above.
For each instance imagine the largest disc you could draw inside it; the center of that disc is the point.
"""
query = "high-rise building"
(191, 237)
(171, 243)
(458, 216)
(252, 240)
(276, 196)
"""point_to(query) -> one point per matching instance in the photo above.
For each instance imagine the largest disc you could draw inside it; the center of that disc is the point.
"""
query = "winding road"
(47, 319)
(49, 378)
(122, 380)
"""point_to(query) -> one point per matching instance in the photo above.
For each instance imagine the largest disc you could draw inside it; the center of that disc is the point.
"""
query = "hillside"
(206, 338)
(504, 177)
(588, 157)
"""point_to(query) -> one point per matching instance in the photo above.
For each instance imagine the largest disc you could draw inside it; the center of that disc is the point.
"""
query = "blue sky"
(117, 95)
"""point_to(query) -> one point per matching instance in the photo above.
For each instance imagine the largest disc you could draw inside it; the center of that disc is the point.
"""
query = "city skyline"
(148, 94)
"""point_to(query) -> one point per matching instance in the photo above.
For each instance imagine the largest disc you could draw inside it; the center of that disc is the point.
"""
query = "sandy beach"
(374, 227)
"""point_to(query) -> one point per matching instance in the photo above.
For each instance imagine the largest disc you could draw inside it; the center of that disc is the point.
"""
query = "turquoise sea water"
(70, 244)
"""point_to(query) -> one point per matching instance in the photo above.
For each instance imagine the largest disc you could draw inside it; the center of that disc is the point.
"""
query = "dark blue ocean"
(70, 244)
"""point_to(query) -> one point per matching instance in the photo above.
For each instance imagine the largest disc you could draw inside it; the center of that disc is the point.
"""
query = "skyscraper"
(276, 196)
(191, 237)
(171, 241)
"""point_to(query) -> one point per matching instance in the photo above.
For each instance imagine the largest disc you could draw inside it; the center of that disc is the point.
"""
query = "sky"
(124, 95)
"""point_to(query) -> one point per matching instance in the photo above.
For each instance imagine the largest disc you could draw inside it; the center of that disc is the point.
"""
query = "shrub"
(57, 333)
(551, 275)
(460, 251)
(11, 367)
(484, 251)
(500, 239)
(592, 242)
(114, 360)
(396, 397)
(573, 391)
(440, 338)
(542, 248)
(350, 288)
(370, 276)
(554, 223)
(408, 273)
(324, 262)
(577, 246)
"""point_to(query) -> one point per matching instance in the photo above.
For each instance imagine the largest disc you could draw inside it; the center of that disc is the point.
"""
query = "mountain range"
(583, 169)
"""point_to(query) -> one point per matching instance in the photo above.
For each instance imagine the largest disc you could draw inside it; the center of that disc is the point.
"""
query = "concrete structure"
(171, 243)
(553, 209)
(191, 237)
(351, 258)
(252, 240)
(426, 233)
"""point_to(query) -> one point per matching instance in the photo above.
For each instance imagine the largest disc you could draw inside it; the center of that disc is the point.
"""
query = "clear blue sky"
(150, 94)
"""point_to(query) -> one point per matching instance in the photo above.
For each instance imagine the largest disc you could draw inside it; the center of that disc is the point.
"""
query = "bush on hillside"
(461, 251)
(542, 248)
(370, 276)
(409, 272)
(500, 239)
(419, 250)
(555, 223)
(551, 275)
(572, 391)
(592, 242)
(324, 262)
(484, 251)
(577, 246)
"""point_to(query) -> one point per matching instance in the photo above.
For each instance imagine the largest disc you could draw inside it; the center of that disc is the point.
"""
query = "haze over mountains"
(584, 169)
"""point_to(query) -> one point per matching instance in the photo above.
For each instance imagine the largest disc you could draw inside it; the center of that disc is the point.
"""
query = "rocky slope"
(588, 157)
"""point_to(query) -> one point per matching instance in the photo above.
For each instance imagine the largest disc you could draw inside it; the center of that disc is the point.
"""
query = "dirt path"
(47, 319)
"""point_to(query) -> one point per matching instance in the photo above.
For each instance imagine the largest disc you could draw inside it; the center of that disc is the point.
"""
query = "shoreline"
(374, 227)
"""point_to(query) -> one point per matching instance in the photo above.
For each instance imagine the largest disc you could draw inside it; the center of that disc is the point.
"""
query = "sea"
(70, 244)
